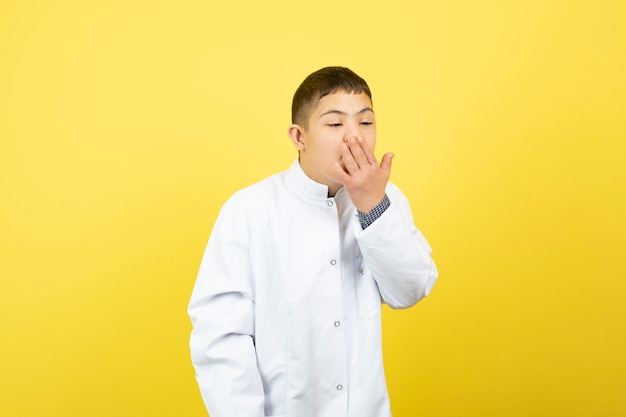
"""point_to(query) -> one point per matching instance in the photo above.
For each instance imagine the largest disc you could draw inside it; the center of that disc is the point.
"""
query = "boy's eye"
(334, 124)
(367, 123)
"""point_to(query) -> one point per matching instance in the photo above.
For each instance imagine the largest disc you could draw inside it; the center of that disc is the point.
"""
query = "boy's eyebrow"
(343, 113)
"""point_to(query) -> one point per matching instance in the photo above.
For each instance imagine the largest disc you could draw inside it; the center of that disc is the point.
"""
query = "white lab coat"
(286, 306)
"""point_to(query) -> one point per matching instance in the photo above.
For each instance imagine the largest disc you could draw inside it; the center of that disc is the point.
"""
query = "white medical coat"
(286, 306)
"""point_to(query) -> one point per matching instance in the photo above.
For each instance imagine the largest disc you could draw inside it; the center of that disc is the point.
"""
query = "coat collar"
(299, 183)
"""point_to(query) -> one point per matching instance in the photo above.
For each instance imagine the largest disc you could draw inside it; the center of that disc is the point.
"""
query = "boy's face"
(335, 118)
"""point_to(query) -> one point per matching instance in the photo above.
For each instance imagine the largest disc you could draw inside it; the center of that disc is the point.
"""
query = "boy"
(286, 306)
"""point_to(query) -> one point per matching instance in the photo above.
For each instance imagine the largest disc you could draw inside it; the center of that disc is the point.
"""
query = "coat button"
(333, 262)
(330, 203)
(337, 323)
(339, 387)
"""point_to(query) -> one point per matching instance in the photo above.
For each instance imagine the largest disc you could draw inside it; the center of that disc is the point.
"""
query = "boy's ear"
(296, 133)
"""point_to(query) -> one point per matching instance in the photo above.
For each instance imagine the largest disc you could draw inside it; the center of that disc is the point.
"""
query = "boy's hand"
(362, 177)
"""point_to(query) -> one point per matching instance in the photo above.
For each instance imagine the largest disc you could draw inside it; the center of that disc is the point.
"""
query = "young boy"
(286, 306)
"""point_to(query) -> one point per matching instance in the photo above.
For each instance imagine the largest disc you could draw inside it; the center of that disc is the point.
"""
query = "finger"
(348, 159)
(340, 164)
(367, 151)
(356, 149)
(341, 172)
(385, 164)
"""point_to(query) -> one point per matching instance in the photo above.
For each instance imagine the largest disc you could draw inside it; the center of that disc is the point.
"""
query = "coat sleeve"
(398, 254)
(222, 313)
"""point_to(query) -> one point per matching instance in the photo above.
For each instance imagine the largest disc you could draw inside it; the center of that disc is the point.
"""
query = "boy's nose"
(352, 129)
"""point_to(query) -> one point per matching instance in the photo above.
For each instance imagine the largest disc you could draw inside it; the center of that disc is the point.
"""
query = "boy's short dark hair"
(325, 81)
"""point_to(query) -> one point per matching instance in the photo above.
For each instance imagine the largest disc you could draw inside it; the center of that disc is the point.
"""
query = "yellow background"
(125, 124)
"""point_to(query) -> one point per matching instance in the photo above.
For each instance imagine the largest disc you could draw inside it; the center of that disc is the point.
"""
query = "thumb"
(385, 164)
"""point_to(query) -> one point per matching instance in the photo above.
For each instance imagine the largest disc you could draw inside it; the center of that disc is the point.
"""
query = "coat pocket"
(367, 293)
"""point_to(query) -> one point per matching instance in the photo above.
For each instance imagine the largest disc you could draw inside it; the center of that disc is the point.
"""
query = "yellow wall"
(125, 124)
